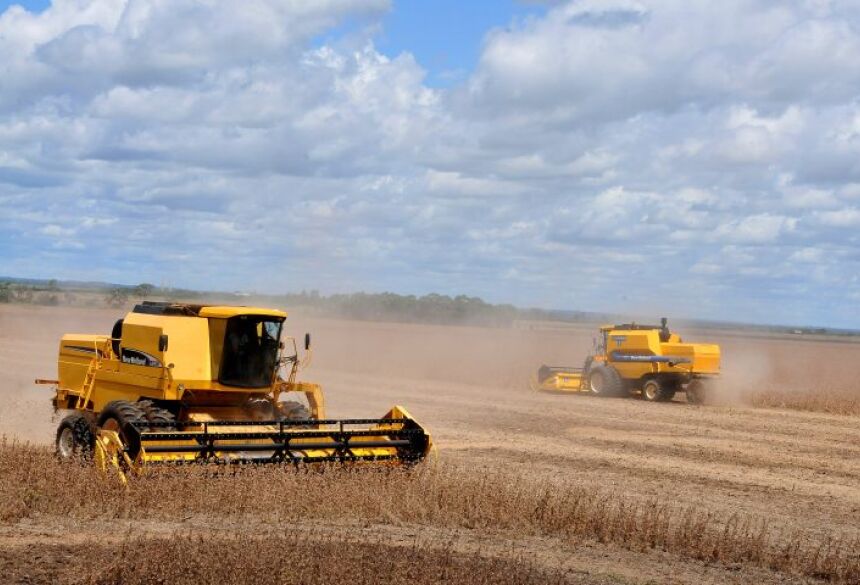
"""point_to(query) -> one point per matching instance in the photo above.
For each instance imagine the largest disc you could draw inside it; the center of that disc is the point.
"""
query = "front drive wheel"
(127, 419)
(654, 391)
(75, 437)
(605, 381)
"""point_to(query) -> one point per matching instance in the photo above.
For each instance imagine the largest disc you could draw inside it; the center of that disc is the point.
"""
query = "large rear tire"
(120, 416)
(658, 391)
(163, 418)
(75, 438)
(605, 381)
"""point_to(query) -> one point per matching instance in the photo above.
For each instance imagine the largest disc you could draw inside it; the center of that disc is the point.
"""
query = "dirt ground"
(797, 470)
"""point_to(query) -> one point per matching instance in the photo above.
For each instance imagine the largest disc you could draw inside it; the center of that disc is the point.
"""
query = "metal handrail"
(90, 376)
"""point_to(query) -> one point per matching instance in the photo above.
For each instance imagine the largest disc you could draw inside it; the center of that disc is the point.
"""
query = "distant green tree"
(117, 297)
(144, 290)
(431, 308)
(52, 286)
(5, 292)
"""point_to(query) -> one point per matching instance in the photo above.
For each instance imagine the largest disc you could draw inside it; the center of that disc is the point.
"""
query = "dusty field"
(528, 487)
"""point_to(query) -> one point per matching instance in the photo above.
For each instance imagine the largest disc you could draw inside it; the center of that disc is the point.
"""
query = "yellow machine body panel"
(76, 354)
(568, 381)
(562, 382)
(636, 353)
(705, 357)
(188, 344)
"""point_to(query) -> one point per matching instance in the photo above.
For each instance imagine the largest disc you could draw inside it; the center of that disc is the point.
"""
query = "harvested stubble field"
(528, 488)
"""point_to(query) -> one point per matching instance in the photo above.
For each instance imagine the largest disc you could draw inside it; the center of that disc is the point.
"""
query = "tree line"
(431, 308)
(387, 306)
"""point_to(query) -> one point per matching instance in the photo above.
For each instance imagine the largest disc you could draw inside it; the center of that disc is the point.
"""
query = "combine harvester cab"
(181, 383)
(647, 359)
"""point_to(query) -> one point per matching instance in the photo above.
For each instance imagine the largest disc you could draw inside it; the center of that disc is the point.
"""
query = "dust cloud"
(29, 339)
(439, 361)
(779, 371)
(746, 368)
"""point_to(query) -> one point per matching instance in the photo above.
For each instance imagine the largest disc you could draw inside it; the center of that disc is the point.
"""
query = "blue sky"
(446, 35)
(31, 5)
(650, 156)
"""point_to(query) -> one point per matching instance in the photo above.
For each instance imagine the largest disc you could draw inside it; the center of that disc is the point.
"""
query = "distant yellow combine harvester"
(196, 383)
(648, 359)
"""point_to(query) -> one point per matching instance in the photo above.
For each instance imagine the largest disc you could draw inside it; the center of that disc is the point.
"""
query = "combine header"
(648, 359)
(182, 383)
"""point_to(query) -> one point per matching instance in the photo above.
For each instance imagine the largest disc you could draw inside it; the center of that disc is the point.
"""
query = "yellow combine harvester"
(190, 383)
(648, 359)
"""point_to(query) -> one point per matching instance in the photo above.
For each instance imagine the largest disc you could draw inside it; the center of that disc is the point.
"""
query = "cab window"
(250, 351)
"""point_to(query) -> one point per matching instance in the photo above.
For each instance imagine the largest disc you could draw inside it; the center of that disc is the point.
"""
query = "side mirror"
(162, 342)
(307, 341)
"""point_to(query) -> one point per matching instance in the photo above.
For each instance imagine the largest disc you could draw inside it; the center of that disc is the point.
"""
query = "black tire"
(605, 381)
(75, 438)
(655, 390)
(292, 410)
(165, 419)
(696, 393)
(121, 416)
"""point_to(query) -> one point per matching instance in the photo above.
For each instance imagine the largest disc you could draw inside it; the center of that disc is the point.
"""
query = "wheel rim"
(650, 391)
(66, 443)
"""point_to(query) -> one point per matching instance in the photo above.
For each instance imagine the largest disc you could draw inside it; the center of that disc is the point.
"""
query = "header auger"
(648, 359)
(183, 383)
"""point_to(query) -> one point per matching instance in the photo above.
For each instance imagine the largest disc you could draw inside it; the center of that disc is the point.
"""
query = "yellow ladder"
(89, 379)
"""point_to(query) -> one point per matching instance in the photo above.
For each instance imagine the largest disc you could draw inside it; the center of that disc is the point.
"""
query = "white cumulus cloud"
(659, 155)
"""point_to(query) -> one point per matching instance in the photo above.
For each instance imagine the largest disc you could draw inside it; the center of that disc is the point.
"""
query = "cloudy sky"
(696, 159)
